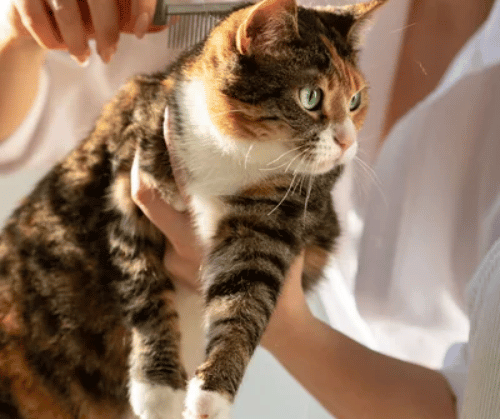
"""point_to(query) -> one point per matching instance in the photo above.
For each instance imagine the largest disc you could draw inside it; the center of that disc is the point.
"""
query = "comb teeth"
(194, 20)
(191, 29)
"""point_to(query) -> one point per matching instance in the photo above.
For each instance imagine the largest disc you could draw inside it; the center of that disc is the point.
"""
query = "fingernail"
(82, 60)
(108, 53)
(141, 25)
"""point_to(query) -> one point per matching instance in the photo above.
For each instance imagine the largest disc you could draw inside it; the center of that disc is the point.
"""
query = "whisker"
(295, 158)
(265, 169)
(368, 170)
(248, 155)
(372, 175)
(282, 155)
(301, 176)
(308, 195)
(284, 197)
(288, 163)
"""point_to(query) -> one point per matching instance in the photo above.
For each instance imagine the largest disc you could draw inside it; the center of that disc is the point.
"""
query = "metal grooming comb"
(195, 20)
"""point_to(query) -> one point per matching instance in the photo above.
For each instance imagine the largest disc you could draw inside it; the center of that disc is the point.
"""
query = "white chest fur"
(218, 165)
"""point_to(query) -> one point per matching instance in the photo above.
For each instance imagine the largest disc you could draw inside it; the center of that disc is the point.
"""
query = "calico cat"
(263, 115)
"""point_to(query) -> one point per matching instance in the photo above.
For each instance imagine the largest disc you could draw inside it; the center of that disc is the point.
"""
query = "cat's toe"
(204, 404)
(150, 401)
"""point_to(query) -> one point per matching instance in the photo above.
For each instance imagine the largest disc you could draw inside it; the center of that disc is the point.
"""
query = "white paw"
(151, 401)
(204, 404)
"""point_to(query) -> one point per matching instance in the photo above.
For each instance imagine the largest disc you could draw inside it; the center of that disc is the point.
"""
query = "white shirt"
(428, 261)
(406, 304)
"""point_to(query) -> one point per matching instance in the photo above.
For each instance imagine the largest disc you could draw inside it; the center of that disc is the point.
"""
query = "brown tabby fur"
(85, 302)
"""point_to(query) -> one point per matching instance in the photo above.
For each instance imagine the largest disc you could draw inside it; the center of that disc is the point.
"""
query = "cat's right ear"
(265, 23)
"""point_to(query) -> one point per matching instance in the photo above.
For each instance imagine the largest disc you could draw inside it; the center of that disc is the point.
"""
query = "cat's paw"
(204, 404)
(151, 401)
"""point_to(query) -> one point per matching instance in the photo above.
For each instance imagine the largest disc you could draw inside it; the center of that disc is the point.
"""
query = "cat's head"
(282, 83)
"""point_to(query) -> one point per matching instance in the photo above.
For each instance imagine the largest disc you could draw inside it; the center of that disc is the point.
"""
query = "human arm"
(347, 378)
(434, 33)
(28, 30)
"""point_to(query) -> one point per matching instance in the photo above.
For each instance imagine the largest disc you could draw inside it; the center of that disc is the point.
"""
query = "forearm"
(20, 63)
(351, 381)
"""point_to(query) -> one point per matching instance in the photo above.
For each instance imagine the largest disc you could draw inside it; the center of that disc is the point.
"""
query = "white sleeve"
(15, 145)
(481, 396)
(455, 369)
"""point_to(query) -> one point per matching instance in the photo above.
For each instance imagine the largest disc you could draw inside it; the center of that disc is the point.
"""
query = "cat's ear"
(267, 22)
(352, 20)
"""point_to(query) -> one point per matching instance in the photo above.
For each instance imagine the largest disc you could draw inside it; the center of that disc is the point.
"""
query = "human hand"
(291, 308)
(183, 255)
(183, 259)
(69, 24)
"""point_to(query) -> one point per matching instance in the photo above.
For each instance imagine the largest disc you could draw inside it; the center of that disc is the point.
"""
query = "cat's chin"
(325, 165)
(319, 168)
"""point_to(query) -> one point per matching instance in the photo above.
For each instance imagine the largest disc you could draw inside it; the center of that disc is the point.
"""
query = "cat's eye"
(311, 98)
(355, 102)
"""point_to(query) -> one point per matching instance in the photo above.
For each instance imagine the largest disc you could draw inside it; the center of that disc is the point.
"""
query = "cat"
(263, 116)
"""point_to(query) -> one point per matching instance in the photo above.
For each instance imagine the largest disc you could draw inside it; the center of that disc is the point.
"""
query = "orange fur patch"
(347, 82)
(9, 316)
(315, 259)
(33, 399)
(268, 187)
(232, 117)
(121, 194)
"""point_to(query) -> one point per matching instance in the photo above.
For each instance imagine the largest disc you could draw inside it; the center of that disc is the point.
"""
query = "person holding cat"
(359, 380)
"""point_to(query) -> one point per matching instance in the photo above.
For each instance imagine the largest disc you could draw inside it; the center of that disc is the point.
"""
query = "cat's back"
(59, 318)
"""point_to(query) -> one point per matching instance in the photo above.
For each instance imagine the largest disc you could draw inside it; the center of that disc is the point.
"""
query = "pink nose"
(343, 138)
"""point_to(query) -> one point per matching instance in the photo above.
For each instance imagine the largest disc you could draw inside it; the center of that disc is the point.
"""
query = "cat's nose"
(345, 135)
(344, 140)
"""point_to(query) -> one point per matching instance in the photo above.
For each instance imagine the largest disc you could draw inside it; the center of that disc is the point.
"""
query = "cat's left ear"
(265, 23)
(355, 18)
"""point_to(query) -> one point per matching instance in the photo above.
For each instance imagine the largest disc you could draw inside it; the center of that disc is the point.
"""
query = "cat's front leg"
(244, 277)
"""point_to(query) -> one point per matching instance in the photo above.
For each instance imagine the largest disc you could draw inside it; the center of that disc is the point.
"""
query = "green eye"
(310, 98)
(355, 102)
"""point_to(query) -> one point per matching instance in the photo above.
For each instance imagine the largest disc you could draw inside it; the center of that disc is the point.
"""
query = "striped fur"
(87, 310)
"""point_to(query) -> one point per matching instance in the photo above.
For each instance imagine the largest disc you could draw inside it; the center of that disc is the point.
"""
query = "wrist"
(285, 328)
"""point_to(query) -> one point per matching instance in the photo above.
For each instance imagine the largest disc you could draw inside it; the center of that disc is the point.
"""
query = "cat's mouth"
(321, 161)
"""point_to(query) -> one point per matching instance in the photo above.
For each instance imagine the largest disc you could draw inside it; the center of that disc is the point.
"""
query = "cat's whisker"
(284, 197)
(301, 176)
(266, 169)
(372, 175)
(245, 164)
(308, 195)
(287, 163)
(282, 155)
(292, 160)
(368, 170)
